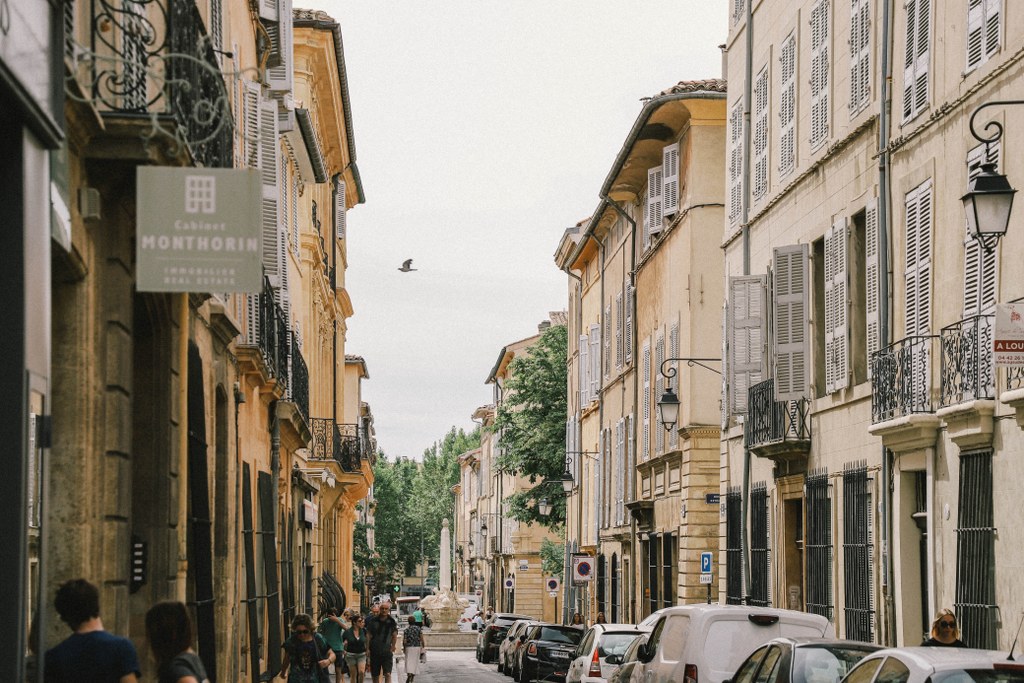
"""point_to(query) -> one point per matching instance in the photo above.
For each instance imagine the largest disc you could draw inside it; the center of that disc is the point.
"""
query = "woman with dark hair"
(355, 642)
(169, 631)
(306, 653)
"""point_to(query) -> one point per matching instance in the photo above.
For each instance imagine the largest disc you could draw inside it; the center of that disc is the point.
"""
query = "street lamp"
(989, 197)
(544, 507)
(567, 482)
(668, 405)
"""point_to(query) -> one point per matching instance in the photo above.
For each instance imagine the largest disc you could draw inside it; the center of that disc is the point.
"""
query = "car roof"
(510, 615)
(705, 612)
(944, 658)
(805, 641)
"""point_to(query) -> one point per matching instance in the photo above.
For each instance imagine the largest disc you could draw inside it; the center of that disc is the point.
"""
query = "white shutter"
(837, 360)
(670, 180)
(630, 458)
(873, 275)
(659, 389)
(293, 204)
(787, 106)
(673, 352)
(747, 295)
(979, 265)
(608, 340)
(269, 153)
(340, 208)
(655, 200)
(975, 33)
(627, 339)
(735, 161)
(598, 491)
(860, 55)
(620, 470)
(918, 259)
(761, 133)
(916, 60)
(251, 131)
(280, 78)
(790, 279)
(584, 371)
(595, 362)
(619, 320)
(993, 19)
(645, 401)
(268, 9)
(819, 72)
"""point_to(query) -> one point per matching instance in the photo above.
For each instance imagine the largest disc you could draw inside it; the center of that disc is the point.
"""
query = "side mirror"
(616, 659)
(644, 653)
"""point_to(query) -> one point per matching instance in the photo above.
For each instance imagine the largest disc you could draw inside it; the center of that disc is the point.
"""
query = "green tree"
(552, 556)
(531, 427)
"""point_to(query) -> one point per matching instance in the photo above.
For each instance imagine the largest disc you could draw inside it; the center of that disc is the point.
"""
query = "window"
(735, 162)
(917, 275)
(584, 371)
(917, 57)
(787, 106)
(819, 73)
(760, 553)
(746, 337)
(627, 328)
(595, 362)
(608, 340)
(872, 282)
(659, 389)
(653, 566)
(857, 550)
(670, 180)
(619, 320)
(819, 544)
(837, 297)
(733, 547)
(983, 19)
(645, 370)
(669, 550)
(737, 9)
(620, 471)
(860, 56)
(340, 208)
(761, 134)
(975, 551)
(791, 321)
(653, 211)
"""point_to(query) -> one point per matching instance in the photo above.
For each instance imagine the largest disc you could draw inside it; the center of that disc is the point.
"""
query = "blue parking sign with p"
(705, 563)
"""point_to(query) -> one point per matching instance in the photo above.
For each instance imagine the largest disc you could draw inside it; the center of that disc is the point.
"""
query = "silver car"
(937, 665)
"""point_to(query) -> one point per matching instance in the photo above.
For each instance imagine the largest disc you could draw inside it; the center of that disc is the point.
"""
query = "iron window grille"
(760, 551)
(652, 547)
(733, 547)
(859, 606)
(975, 552)
(819, 544)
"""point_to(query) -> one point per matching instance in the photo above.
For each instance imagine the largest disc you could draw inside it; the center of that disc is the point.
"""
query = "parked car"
(707, 643)
(937, 665)
(624, 671)
(466, 620)
(493, 631)
(600, 652)
(802, 660)
(547, 651)
(507, 650)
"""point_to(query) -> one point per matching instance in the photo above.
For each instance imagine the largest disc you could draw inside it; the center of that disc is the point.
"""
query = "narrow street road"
(452, 666)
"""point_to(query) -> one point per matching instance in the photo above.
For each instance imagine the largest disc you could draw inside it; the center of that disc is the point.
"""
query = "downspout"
(885, 310)
(334, 331)
(601, 464)
(275, 471)
(183, 332)
(745, 218)
(568, 596)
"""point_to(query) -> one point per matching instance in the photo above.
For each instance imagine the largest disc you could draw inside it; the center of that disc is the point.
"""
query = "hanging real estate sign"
(199, 230)
(1008, 340)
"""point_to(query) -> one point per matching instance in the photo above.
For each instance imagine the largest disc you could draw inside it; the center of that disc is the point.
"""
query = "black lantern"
(668, 409)
(987, 203)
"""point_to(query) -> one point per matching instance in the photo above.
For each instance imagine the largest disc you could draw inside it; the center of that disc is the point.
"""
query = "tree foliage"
(552, 556)
(530, 422)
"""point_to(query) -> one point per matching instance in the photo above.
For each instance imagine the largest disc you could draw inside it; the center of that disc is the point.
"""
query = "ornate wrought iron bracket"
(669, 371)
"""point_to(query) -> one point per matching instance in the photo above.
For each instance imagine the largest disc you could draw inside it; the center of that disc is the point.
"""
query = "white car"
(466, 620)
(601, 643)
(937, 665)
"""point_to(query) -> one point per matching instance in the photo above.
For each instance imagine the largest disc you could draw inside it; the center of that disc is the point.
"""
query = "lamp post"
(989, 197)
(544, 507)
(668, 404)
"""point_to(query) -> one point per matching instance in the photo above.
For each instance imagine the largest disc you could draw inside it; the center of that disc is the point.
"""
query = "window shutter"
(293, 184)
(873, 283)
(837, 361)
(659, 389)
(251, 113)
(761, 133)
(596, 497)
(620, 470)
(993, 18)
(655, 199)
(607, 340)
(630, 457)
(673, 352)
(918, 259)
(979, 266)
(735, 161)
(747, 303)
(269, 151)
(268, 10)
(627, 340)
(975, 33)
(340, 208)
(915, 65)
(280, 77)
(619, 315)
(819, 73)
(787, 106)
(645, 369)
(860, 55)
(595, 362)
(790, 277)
(584, 372)
(723, 398)
(670, 180)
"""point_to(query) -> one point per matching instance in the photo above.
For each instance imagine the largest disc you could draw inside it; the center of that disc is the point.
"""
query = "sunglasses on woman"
(947, 624)
(301, 631)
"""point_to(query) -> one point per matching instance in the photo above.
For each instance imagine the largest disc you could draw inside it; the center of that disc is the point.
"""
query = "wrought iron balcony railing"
(298, 380)
(267, 329)
(1014, 378)
(156, 57)
(968, 371)
(340, 442)
(772, 423)
(901, 381)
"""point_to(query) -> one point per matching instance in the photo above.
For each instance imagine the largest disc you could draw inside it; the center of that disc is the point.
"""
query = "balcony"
(298, 379)
(342, 443)
(901, 383)
(266, 330)
(968, 371)
(153, 64)
(779, 430)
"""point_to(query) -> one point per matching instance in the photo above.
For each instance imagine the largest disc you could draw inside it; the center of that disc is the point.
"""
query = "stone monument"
(445, 606)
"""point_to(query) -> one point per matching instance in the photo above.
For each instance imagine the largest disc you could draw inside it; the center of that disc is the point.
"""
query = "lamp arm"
(669, 371)
(995, 125)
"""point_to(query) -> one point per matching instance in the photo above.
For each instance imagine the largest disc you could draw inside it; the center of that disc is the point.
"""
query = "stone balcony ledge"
(1015, 399)
(908, 432)
(969, 424)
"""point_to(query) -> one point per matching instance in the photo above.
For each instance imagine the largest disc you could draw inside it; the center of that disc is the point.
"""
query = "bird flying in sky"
(407, 266)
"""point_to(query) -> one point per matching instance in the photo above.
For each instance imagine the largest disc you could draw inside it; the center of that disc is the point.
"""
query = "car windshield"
(615, 643)
(825, 664)
(1009, 674)
(560, 635)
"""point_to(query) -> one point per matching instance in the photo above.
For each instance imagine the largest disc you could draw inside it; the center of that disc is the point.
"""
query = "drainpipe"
(275, 471)
(885, 310)
(745, 218)
(183, 331)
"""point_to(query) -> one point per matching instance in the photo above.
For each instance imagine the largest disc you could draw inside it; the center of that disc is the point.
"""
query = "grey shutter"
(608, 340)
(993, 19)
(761, 133)
(975, 33)
(860, 55)
(251, 130)
(620, 470)
(627, 340)
(645, 401)
(619, 320)
(873, 281)
(787, 106)
(746, 366)
(340, 208)
(269, 153)
(670, 180)
(837, 361)
(584, 371)
(735, 161)
(791, 328)
(918, 259)
(918, 55)
(268, 10)
(659, 389)
(595, 362)
(655, 200)
(280, 78)
(820, 72)
(631, 458)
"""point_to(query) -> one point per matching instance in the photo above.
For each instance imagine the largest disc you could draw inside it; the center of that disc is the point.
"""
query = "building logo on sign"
(200, 194)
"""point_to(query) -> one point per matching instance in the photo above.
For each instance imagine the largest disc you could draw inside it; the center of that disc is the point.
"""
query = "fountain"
(444, 606)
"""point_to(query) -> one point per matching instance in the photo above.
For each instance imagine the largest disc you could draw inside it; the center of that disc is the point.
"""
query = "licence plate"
(560, 655)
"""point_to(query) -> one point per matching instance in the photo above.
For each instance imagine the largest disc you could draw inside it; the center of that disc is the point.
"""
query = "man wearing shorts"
(383, 633)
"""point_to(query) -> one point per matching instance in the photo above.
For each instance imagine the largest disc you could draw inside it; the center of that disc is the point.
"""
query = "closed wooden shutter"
(787, 106)
(340, 208)
(837, 360)
(608, 340)
(280, 77)
(983, 30)
(761, 133)
(659, 389)
(917, 274)
(735, 161)
(747, 304)
(630, 458)
(790, 315)
(627, 331)
(670, 180)
(584, 371)
(268, 9)
(873, 274)
(917, 57)
(269, 154)
(655, 201)
(620, 470)
(860, 55)
(619, 320)
(645, 402)
(595, 362)
(820, 72)
(673, 352)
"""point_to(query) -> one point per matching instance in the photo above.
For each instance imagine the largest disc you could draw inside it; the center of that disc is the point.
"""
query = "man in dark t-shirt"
(383, 633)
(89, 654)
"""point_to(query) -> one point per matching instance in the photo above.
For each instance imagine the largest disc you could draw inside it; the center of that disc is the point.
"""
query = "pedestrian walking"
(945, 632)
(169, 632)
(90, 654)
(331, 627)
(414, 645)
(577, 621)
(600, 618)
(354, 639)
(383, 636)
(418, 615)
(306, 653)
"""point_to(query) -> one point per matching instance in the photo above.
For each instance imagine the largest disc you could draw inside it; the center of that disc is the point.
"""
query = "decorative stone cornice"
(1015, 399)
(969, 425)
(909, 432)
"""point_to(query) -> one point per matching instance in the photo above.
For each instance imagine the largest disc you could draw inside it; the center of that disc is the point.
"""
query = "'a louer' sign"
(1008, 340)
(199, 230)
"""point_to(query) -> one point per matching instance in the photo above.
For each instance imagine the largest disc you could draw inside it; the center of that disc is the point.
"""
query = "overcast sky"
(483, 129)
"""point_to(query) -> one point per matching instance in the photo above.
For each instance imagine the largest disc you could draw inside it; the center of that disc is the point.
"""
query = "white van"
(707, 643)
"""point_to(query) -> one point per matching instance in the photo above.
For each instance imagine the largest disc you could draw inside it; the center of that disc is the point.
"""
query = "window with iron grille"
(614, 617)
(819, 544)
(652, 546)
(760, 552)
(975, 552)
(857, 549)
(602, 576)
(668, 570)
(733, 547)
